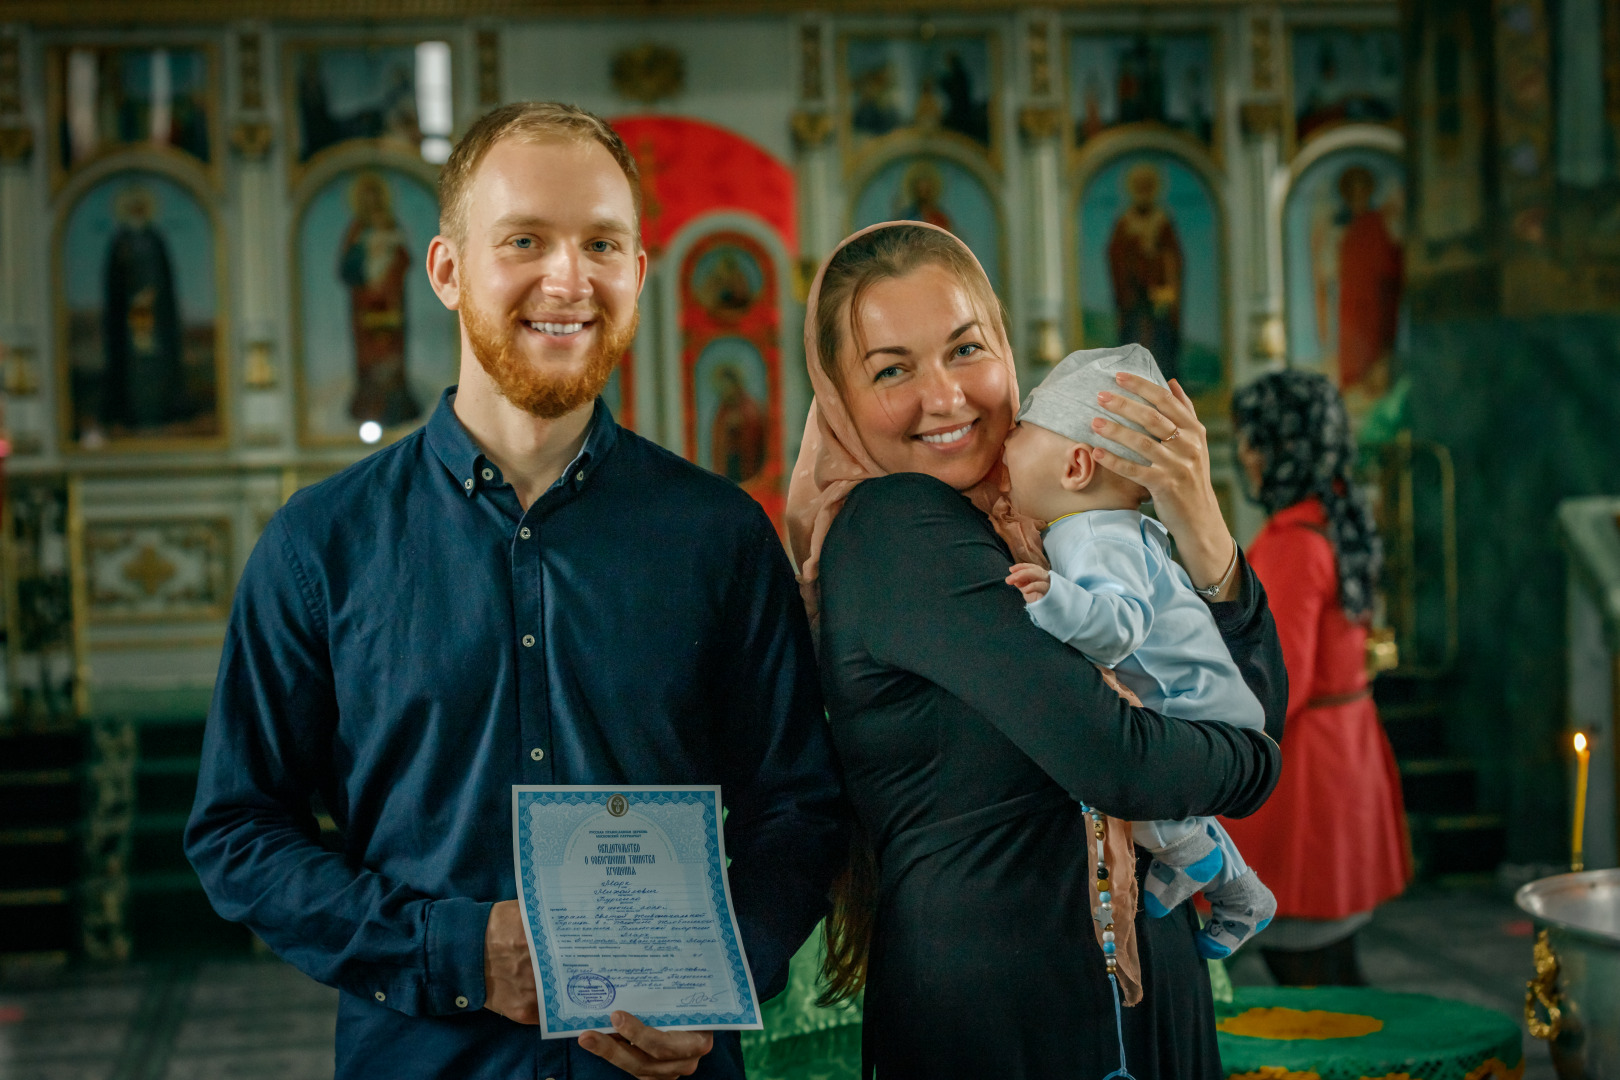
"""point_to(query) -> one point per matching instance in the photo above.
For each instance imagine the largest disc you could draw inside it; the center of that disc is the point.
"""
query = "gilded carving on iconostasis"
(140, 327)
(1345, 76)
(391, 96)
(939, 191)
(1163, 80)
(1344, 254)
(1150, 266)
(375, 345)
(731, 365)
(930, 85)
(107, 98)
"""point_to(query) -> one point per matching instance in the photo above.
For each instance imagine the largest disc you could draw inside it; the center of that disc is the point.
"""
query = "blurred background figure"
(1332, 840)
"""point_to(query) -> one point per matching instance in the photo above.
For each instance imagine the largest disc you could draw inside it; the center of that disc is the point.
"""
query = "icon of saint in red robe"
(1146, 268)
(373, 261)
(1371, 277)
(737, 435)
(922, 191)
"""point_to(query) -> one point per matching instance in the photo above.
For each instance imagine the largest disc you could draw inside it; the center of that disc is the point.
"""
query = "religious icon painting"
(1345, 76)
(620, 392)
(731, 365)
(941, 192)
(139, 320)
(1162, 79)
(939, 84)
(393, 96)
(1343, 247)
(375, 345)
(108, 98)
(1150, 266)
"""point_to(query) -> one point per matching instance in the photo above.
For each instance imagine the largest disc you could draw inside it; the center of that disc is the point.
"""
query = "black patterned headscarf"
(1298, 424)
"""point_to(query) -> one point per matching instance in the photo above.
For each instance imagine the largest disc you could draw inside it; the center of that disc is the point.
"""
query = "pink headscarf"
(833, 459)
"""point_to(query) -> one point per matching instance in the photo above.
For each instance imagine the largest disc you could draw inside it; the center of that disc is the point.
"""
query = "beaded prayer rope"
(1105, 899)
(1105, 916)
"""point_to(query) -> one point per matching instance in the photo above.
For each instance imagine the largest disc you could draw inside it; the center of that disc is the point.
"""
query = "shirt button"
(489, 474)
(524, 532)
(528, 640)
(461, 1003)
(580, 476)
(538, 754)
(380, 996)
(467, 483)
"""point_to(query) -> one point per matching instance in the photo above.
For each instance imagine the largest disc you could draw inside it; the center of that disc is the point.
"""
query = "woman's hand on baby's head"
(1031, 580)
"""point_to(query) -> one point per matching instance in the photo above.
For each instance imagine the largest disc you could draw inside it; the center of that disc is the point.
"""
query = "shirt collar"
(460, 455)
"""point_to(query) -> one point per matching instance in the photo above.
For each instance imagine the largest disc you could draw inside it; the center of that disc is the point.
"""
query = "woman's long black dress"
(947, 703)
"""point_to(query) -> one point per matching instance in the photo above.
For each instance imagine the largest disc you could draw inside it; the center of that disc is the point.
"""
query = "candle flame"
(1580, 742)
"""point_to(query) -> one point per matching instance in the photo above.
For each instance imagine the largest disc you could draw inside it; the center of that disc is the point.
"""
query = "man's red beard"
(494, 343)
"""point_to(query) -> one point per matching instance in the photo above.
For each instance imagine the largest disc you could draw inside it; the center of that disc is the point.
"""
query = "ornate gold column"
(1040, 121)
(21, 299)
(1263, 115)
(262, 351)
(821, 221)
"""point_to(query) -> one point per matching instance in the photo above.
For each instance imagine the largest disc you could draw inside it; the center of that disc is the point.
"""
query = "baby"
(1115, 594)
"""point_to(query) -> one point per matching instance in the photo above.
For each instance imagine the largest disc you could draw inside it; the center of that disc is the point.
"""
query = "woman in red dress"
(1331, 842)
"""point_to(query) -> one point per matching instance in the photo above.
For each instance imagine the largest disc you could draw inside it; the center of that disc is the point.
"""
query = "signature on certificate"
(699, 998)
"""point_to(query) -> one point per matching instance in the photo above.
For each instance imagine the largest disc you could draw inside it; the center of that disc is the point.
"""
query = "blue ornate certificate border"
(706, 800)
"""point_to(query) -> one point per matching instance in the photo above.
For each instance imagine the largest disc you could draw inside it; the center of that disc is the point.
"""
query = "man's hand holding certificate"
(627, 910)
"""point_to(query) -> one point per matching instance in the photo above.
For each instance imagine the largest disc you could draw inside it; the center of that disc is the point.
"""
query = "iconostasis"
(213, 237)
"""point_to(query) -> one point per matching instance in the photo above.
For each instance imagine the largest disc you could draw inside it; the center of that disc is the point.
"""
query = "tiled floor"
(237, 1020)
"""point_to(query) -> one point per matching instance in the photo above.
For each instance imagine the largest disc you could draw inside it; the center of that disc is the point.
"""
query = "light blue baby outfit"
(1118, 597)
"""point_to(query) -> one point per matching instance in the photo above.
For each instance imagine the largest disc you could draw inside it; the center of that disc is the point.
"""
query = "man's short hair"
(531, 122)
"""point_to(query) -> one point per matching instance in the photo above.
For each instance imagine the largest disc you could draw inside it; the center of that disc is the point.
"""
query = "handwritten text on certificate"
(626, 906)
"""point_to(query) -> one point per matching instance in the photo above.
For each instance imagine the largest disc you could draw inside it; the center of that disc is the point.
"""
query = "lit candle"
(1583, 754)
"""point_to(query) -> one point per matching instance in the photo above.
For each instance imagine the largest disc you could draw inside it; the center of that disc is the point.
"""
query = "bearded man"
(520, 592)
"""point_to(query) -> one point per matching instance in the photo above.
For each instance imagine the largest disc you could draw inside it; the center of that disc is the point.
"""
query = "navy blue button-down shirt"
(407, 643)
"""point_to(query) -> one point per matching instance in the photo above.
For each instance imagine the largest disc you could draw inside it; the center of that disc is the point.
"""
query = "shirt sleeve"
(1105, 611)
(1302, 573)
(947, 615)
(787, 822)
(253, 838)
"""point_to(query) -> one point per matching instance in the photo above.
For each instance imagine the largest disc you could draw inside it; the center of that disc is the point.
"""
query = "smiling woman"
(919, 355)
(968, 736)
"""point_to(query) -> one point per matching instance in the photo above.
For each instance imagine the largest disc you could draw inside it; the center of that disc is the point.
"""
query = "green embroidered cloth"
(1371, 1034)
(802, 1042)
(1380, 1035)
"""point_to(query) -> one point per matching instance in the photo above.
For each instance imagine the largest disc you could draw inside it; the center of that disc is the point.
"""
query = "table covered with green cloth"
(1341, 1033)
(802, 1042)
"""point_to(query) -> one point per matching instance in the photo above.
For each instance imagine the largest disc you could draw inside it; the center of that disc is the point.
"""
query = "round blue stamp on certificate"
(591, 991)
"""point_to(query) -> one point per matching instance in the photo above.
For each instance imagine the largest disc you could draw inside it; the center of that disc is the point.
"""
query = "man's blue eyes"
(601, 247)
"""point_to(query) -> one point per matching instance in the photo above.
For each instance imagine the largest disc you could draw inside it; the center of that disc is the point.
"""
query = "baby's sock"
(1180, 870)
(1239, 910)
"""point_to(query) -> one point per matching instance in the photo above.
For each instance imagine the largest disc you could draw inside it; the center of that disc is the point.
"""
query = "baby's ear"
(1078, 467)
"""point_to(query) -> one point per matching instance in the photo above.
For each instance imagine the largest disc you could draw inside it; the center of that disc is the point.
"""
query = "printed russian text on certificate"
(626, 906)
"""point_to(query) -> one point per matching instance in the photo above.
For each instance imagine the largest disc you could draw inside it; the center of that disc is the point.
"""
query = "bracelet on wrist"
(1210, 592)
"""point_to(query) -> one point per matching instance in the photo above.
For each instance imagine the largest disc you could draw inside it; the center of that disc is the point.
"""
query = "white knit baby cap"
(1066, 400)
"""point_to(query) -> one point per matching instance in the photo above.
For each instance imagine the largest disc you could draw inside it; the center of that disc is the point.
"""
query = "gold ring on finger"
(1174, 434)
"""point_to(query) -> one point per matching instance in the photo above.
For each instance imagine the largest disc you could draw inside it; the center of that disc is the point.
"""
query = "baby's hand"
(1030, 580)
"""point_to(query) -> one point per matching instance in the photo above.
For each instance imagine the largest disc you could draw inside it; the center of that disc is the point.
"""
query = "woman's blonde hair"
(893, 252)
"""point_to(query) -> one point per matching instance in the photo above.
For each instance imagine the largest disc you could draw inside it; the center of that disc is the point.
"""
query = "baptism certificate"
(626, 906)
